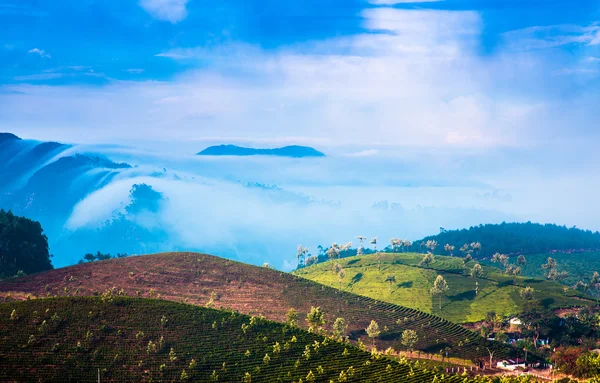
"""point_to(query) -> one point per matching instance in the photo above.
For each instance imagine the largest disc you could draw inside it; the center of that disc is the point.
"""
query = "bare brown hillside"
(199, 278)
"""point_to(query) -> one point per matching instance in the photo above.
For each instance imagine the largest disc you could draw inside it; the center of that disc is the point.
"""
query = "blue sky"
(454, 74)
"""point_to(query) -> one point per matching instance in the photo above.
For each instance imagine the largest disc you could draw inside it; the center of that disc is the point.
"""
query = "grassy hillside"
(144, 340)
(413, 283)
(199, 279)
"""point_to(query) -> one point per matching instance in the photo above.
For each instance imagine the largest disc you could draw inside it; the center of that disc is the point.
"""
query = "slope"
(412, 285)
(200, 279)
(118, 339)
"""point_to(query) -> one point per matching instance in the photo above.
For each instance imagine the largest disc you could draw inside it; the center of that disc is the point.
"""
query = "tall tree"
(427, 260)
(339, 328)
(315, 319)
(23, 246)
(409, 339)
(431, 245)
(391, 279)
(361, 238)
(407, 244)
(440, 286)
(301, 255)
(449, 249)
(477, 271)
(373, 331)
(476, 247)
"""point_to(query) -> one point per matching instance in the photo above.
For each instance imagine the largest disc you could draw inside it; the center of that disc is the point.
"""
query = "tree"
(333, 252)
(465, 249)
(407, 244)
(339, 328)
(514, 271)
(427, 260)
(449, 249)
(431, 245)
(301, 255)
(521, 261)
(439, 288)
(537, 320)
(395, 243)
(476, 247)
(291, 318)
(373, 331)
(23, 246)
(359, 251)
(477, 271)
(468, 258)
(315, 318)
(341, 275)
(581, 286)
(409, 339)
(552, 272)
(391, 279)
(527, 294)
(374, 243)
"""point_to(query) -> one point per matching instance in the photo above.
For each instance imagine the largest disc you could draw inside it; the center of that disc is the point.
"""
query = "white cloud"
(166, 10)
(543, 37)
(422, 83)
(40, 52)
(134, 71)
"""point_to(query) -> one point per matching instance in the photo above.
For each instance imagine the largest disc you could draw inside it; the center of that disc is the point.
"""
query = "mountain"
(366, 275)
(8, 137)
(286, 151)
(201, 279)
(517, 238)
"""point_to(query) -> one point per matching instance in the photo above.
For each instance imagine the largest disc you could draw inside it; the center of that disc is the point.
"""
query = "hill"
(199, 279)
(518, 238)
(286, 151)
(118, 339)
(412, 285)
(579, 265)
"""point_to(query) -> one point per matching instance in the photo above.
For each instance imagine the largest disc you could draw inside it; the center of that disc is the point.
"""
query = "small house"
(510, 364)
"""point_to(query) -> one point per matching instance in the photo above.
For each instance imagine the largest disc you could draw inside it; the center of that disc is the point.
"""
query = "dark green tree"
(23, 246)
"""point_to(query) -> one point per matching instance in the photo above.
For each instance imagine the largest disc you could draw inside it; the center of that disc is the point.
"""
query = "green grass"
(460, 304)
(71, 339)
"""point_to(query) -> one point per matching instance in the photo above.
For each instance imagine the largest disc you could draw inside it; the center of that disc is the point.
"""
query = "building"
(510, 364)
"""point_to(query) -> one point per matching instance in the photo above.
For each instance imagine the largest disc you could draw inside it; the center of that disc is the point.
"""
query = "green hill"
(517, 238)
(120, 339)
(199, 279)
(413, 283)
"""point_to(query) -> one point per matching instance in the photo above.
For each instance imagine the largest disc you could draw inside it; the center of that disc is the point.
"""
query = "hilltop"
(202, 279)
(413, 282)
(518, 238)
(286, 151)
(119, 339)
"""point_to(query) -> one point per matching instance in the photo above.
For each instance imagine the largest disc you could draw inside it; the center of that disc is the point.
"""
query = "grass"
(147, 340)
(198, 279)
(413, 283)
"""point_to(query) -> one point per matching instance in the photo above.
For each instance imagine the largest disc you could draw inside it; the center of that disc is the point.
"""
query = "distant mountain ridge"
(294, 151)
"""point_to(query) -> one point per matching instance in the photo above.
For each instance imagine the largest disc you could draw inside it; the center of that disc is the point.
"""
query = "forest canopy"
(519, 238)
(23, 246)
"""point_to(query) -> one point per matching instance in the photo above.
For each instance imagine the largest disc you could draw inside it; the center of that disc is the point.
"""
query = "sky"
(456, 74)
(455, 104)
